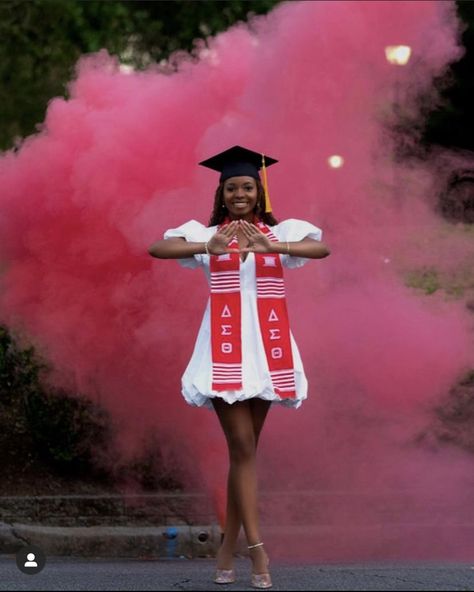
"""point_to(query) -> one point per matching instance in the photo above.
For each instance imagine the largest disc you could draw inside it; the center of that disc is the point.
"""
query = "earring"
(223, 206)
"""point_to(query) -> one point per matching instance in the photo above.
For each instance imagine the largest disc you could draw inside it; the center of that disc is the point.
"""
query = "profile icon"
(30, 560)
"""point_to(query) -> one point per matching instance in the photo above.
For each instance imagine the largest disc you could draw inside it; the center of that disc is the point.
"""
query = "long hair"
(219, 211)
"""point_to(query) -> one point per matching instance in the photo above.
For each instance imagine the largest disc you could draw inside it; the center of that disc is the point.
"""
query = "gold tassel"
(268, 207)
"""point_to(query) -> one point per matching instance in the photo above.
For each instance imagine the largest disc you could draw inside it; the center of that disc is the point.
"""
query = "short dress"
(256, 382)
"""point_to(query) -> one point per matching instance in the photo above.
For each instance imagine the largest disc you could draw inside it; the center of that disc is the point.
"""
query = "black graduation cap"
(238, 161)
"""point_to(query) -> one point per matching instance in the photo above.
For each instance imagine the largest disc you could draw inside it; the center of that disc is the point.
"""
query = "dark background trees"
(41, 41)
(452, 124)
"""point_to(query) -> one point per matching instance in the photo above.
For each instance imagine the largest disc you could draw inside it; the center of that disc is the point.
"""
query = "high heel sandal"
(224, 576)
(260, 580)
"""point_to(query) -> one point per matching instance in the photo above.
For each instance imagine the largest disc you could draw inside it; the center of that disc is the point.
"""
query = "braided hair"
(219, 211)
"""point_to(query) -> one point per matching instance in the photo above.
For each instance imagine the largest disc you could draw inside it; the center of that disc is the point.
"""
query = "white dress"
(256, 382)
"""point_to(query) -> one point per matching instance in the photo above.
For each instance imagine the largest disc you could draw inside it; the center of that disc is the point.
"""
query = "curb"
(113, 541)
(111, 525)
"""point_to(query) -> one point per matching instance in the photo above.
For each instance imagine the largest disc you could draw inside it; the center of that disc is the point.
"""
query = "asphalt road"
(61, 573)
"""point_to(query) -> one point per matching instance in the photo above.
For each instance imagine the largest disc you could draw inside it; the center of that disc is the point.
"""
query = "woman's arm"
(175, 248)
(308, 247)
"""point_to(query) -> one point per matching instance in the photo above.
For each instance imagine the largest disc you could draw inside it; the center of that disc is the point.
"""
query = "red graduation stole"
(272, 314)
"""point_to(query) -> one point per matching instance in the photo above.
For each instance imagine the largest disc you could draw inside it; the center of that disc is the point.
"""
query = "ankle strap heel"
(253, 546)
(263, 580)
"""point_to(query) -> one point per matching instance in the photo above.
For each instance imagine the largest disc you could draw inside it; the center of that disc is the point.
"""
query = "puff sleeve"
(293, 230)
(194, 232)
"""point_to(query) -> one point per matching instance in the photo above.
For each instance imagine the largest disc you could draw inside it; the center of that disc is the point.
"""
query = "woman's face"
(240, 197)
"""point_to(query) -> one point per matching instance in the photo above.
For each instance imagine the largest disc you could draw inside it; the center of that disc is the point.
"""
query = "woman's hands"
(257, 241)
(218, 243)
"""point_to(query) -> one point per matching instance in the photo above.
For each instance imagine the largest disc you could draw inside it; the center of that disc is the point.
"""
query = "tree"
(43, 39)
(452, 124)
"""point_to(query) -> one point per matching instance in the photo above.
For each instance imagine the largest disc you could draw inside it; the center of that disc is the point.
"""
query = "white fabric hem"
(200, 400)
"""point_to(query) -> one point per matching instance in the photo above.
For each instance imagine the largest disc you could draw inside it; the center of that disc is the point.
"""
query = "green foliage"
(19, 369)
(456, 281)
(426, 279)
(454, 417)
(66, 430)
(63, 430)
(41, 40)
(164, 27)
(68, 435)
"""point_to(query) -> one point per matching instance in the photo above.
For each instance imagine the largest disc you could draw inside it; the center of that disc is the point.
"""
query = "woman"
(245, 357)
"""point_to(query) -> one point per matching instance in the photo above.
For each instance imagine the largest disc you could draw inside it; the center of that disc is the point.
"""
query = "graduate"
(245, 358)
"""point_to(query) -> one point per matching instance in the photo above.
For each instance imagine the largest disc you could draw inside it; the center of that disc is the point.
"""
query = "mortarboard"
(238, 161)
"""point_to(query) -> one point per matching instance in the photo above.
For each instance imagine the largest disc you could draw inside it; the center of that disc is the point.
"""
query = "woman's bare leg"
(259, 409)
(242, 423)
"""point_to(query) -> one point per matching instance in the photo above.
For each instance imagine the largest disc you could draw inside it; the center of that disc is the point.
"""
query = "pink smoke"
(115, 165)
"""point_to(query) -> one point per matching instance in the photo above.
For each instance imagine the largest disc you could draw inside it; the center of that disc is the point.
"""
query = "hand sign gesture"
(218, 243)
(258, 241)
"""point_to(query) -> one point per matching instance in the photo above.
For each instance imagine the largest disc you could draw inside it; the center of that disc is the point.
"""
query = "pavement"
(64, 573)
